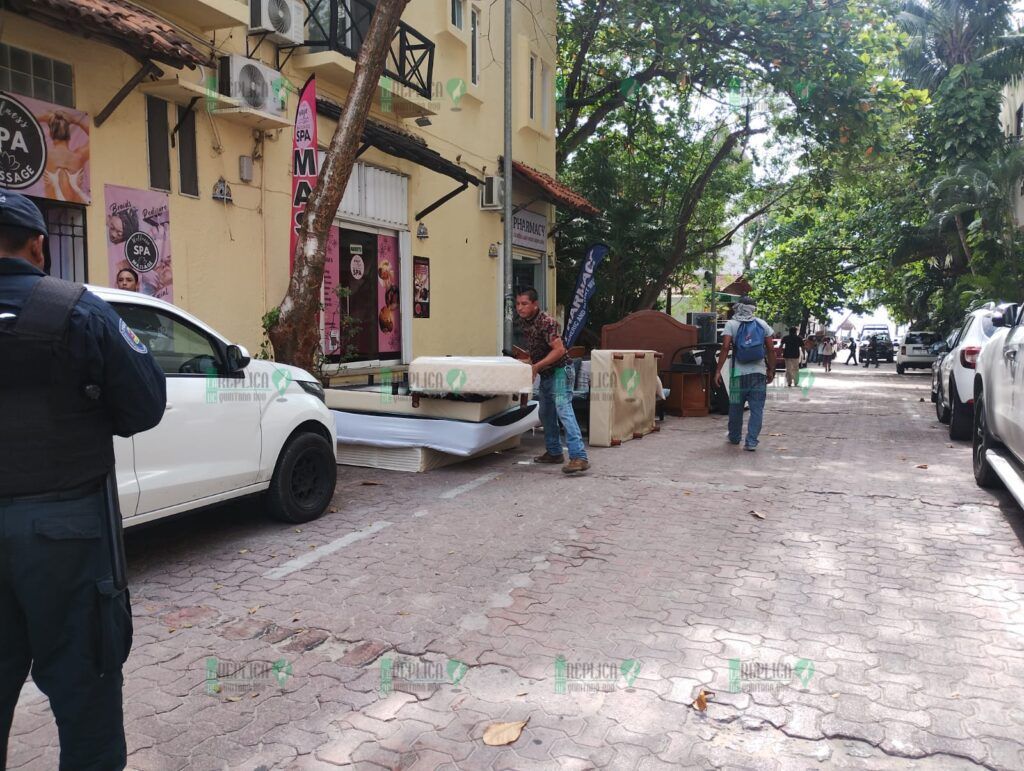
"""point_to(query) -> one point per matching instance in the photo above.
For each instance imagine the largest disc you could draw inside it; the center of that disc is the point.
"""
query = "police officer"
(73, 375)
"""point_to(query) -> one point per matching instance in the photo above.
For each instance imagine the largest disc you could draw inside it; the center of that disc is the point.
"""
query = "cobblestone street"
(871, 619)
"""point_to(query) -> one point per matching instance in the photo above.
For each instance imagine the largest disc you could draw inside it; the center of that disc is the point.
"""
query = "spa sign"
(44, 149)
(530, 230)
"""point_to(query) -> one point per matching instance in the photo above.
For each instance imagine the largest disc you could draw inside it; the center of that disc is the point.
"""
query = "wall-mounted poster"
(44, 149)
(332, 303)
(138, 241)
(421, 287)
(389, 323)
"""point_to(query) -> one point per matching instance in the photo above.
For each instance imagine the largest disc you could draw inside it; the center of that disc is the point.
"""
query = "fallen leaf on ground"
(500, 734)
(921, 465)
(701, 702)
(835, 695)
(370, 483)
(776, 434)
(521, 693)
(298, 530)
(782, 449)
(332, 510)
(254, 609)
(921, 399)
(243, 551)
(234, 698)
(758, 514)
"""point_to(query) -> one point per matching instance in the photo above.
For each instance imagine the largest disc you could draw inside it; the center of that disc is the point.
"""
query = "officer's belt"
(71, 494)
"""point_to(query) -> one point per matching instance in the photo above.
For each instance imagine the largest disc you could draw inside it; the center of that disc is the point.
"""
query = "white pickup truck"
(999, 405)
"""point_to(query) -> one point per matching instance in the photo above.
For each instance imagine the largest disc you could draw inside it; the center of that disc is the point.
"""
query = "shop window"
(188, 163)
(66, 242)
(457, 9)
(23, 72)
(474, 46)
(159, 153)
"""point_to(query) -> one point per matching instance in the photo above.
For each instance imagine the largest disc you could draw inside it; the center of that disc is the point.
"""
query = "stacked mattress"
(457, 408)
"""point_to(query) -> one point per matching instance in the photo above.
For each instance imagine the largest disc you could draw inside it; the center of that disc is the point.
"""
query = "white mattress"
(380, 399)
(487, 375)
(415, 459)
(452, 436)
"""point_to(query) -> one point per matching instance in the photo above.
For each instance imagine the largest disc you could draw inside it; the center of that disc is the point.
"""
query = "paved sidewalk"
(872, 619)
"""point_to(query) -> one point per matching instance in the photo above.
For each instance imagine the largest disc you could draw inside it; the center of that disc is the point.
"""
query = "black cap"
(18, 211)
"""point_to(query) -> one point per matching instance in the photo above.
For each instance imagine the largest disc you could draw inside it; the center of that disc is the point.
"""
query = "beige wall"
(230, 261)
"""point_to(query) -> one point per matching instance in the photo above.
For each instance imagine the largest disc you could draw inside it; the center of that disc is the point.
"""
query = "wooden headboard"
(651, 331)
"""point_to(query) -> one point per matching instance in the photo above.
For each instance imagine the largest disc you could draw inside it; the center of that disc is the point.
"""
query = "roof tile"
(561, 194)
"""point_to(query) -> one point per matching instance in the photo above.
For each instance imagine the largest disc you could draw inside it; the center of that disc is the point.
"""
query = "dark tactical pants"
(60, 615)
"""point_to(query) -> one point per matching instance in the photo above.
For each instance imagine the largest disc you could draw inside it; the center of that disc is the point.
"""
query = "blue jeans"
(746, 389)
(555, 397)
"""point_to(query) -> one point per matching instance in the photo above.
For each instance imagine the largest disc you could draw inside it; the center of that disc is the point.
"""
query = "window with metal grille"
(159, 152)
(188, 163)
(66, 226)
(23, 72)
(533, 78)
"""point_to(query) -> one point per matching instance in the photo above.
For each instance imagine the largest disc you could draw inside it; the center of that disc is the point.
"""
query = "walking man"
(792, 345)
(852, 346)
(746, 343)
(75, 374)
(547, 353)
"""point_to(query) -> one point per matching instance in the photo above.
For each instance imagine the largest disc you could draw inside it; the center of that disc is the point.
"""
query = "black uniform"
(61, 402)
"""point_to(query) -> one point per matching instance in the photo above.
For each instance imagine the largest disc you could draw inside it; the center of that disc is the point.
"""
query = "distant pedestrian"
(872, 354)
(749, 340)
(828, 350)
(852, 347)
(792, 345)
(819, 346)
(812, 350)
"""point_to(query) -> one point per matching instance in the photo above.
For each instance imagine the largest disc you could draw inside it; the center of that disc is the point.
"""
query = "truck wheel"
(941, 412)
(959, 416)
(899, 369)
(303, 482)
(982, 442)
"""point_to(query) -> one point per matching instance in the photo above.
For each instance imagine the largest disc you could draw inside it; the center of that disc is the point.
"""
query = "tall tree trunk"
(294, 334)
(960, 267)
(805, 321)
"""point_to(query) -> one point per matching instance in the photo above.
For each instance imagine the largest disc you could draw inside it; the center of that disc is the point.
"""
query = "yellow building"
(157, 135)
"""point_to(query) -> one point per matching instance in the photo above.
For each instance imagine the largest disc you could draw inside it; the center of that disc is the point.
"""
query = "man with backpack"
(749, 340)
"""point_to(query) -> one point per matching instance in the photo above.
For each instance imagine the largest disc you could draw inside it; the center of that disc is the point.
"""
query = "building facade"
(157, 136)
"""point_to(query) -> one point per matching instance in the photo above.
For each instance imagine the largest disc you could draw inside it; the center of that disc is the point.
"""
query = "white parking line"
(471, 485)
(292, 566)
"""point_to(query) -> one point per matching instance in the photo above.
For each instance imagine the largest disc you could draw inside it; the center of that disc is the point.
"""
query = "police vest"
(54, 431)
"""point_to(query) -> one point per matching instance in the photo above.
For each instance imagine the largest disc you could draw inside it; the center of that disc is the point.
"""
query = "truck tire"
(959, 415)
(982, 442)
(899, 369)
(303, 481)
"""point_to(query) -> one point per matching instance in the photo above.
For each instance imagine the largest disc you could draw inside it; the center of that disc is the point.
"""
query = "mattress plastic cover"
(488, 375)
(451, 436)
(624, 386)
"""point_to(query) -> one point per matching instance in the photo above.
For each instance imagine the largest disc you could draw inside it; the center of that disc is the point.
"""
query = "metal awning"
(398, 143)
(117, 23)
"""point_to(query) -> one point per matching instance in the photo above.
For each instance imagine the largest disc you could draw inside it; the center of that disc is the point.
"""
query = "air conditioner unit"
(284, 21)
(254, 84)
(492, 193)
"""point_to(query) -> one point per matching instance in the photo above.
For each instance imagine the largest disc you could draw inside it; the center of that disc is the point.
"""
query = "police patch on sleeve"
(132, 339)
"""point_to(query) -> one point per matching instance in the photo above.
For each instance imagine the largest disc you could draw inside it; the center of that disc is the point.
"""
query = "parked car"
(954, 381)
(915, 351)
(232, 427)
(998, 435)
(942, 349)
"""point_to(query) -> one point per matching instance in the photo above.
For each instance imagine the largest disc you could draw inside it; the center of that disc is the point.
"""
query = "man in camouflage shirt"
(547, 353)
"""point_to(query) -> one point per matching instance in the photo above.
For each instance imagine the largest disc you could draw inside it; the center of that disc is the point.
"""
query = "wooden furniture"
(653, 330)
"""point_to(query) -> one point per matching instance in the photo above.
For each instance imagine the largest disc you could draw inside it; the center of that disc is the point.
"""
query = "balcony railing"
(341, 25)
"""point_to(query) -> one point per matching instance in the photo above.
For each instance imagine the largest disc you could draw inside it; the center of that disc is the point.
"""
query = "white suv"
(954, 378)
(915, 351)
(232, 426)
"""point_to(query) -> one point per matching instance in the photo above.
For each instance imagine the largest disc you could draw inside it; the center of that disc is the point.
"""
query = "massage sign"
(22, 146)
